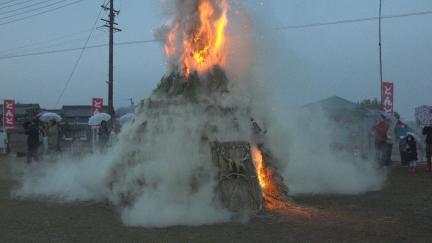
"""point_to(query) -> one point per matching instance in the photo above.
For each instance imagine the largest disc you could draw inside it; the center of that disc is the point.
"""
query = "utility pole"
(110, 23)
(380, 54)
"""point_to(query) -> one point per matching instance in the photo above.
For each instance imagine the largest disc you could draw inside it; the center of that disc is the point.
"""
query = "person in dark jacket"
(32, 132)
(380, 130)
(104, 135)
(427, 131)
(411, 152)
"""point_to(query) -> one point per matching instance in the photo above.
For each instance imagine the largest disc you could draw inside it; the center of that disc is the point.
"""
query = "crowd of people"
(407, 142)
(45, 138)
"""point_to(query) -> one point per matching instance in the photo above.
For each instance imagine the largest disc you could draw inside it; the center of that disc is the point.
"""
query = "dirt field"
(401, 212)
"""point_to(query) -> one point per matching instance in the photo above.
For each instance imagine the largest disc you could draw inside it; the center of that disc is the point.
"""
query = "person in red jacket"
(380, 130)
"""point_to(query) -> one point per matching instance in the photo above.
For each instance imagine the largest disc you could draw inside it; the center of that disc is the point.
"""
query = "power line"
(40, 13)
(14, 4)
(43, 42)
(79, 57)
(77, 48)
(347, 21)
(48, 46)
(25, 7)
(32, 10)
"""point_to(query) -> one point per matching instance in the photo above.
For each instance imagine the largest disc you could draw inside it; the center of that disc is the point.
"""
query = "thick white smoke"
(304, 146)
(160, 172)
(301, 141)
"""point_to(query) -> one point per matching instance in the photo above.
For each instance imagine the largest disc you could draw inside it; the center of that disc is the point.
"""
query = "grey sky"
(334, 60)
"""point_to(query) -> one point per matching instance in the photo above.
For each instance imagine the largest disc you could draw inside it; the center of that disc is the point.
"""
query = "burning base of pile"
(274, 191)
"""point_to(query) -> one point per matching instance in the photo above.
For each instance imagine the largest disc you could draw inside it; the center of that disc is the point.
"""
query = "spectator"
(104, 135)
(3, 142)
(427, 131)
(401, 130)
(32, 132)
(411, 152)
(381, 129)
(53, 132)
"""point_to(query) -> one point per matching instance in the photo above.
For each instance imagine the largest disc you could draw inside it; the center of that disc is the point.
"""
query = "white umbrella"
(50, 116)
(97, 118)
(125, 119)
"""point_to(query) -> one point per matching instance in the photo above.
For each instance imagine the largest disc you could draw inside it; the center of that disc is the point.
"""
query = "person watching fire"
(427, 131)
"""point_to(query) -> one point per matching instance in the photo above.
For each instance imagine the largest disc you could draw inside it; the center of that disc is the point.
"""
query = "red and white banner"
(387, 97)
(8, 114)
(97, 105)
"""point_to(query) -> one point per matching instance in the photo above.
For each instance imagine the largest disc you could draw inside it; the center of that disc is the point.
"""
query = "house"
(75, 119)
(352, 121)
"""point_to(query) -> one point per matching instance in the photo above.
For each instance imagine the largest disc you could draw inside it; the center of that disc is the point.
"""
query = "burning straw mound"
(199, 122)
(194, 128)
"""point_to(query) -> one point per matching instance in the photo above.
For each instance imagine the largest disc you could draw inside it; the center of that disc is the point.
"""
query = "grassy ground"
(401, 212)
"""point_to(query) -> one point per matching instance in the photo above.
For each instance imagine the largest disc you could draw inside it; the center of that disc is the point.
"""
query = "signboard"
(387, 97)
(97, 105)
(9, 114)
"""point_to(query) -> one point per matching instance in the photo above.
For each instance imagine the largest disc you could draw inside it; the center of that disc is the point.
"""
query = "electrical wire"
(32, 10)
(79, 57)
(14, 4)
(353, 20)
(43, 42)
(50, 46)
(40, 13)
(77, 48)
(25, 7)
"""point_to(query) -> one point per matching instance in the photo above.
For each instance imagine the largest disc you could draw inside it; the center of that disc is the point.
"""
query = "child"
(411, 152)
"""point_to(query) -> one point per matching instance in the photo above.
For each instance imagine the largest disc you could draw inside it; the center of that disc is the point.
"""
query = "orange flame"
(204, 45)
(273, 196)
(259, 167)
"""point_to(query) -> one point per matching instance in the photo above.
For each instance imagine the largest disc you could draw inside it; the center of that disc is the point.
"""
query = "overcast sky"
(334, 60)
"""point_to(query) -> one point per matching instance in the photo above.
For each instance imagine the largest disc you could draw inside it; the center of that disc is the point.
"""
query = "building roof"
(334, 102)
(22, 109)
(337, 106)
(79, 110)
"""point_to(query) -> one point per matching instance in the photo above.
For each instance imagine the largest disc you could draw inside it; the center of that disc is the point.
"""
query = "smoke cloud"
(302, 141)
(160, 172)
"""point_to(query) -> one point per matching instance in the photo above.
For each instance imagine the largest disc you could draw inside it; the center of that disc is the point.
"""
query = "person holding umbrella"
(104, 135)
(427, 131)
(53, 134)
(100, 131)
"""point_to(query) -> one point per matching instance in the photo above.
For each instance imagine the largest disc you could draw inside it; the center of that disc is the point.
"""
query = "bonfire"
(197, 44)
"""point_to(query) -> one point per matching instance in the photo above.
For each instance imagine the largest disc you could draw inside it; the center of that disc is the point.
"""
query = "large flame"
(259, 167)
(202, 44)
(273, 197)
